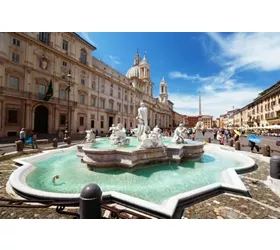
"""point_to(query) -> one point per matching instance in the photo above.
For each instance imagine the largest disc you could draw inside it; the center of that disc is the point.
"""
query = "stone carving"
(143, 128)
(199, 125)
(44, 62)
(118, 136)
(179, 134)
(154, 139)
(90, 137)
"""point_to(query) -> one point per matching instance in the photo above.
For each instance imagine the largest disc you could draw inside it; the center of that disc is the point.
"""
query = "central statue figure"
(142, 122)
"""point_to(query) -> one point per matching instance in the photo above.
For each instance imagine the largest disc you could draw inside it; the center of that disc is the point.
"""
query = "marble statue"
(199, 126)
(179, 134)
(142, 117)
(154, 139)
(90, 136)
(118, 136)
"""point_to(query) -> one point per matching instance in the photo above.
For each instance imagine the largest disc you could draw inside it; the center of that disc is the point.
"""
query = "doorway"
(111, 121)
(41, 119)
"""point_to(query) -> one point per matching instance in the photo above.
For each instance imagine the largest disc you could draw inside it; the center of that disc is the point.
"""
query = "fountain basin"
(122, 157)
(157, 188)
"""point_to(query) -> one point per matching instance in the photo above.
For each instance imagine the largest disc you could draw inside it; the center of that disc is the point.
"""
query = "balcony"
(112, 111)
(36, 97)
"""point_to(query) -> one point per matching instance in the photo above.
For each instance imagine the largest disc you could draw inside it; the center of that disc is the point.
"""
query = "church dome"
(133, 72)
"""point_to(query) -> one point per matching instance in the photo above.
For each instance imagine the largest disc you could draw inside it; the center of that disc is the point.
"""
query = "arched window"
(83, 57)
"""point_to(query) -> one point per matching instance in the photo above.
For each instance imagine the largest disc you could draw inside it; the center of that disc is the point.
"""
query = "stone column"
(2, 117)
(27, 117)
(73, 120)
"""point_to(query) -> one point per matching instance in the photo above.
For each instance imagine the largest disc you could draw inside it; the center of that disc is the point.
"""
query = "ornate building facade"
(264, 110)
(99, 95)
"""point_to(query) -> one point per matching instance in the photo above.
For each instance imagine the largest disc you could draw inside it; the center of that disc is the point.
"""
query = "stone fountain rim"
(229, 181)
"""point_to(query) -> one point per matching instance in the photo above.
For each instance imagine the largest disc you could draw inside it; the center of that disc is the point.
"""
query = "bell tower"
(163, 94)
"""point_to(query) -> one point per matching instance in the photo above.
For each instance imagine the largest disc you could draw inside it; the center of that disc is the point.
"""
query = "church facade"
(99, 95)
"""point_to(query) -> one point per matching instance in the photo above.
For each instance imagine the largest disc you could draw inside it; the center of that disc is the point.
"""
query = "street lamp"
(68, 121)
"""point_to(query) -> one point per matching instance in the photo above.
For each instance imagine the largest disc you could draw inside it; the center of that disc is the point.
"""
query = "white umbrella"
(273, 127)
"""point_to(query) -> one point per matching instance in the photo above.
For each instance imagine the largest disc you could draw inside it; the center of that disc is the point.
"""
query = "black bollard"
(275, 167)
(230, 143)
(90, 202)
(19, 146)
(209, 140)
(266, 150)
(68, 141)
(55, 143)
(237, 145)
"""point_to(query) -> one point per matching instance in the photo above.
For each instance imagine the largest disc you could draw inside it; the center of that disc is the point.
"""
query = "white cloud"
(238, 51)
(86, 36)
(251, 50)
(178, 75)
(115, 59)
(213, 102)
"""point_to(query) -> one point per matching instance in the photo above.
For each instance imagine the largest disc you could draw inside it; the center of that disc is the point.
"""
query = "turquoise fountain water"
(154, 183)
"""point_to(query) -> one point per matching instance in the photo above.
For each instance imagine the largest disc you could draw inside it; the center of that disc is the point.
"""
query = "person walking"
(22, 135)
(253, 145)
(34, 139)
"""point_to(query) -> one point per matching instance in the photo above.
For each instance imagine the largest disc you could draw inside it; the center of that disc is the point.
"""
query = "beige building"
(99, 96)
(263, 111)
(177, 119)
(206, 119)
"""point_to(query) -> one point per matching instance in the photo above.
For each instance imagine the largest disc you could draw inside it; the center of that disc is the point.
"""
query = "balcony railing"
(113, 111)
(37, 97)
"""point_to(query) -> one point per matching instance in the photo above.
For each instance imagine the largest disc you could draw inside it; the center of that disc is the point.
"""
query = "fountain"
(149, 171)
(150, 149)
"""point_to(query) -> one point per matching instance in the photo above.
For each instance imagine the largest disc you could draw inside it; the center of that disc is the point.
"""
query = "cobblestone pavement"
(6, 168)
(264, 204)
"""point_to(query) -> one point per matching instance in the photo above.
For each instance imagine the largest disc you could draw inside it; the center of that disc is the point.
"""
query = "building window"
(42, 89)
(64, 64)
(13, 116)
(125, 109)
(62, 119)
(111, 105)
(102, 103)
(131, 124)
(63, 75)
(119, 107)
(93, 86)
(131, 109)
(124, 123)
(111, 91)
(83, 81)
(82, 99)
(81, 121)
(125, 97)
(92, 101)
(102, 89)
(15, 57)
(62, 93)
(14, 83)
(16, 42)
(83, 58)
(119, 119)
(65, 45)
(44, 37)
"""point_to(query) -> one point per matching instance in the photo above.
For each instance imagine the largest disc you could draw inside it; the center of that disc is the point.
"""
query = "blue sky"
(229, 69)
